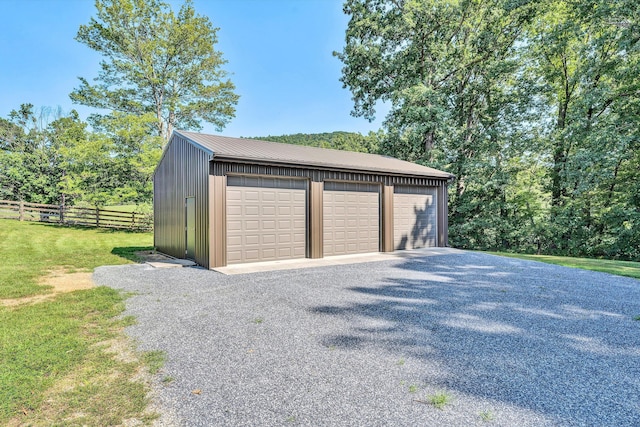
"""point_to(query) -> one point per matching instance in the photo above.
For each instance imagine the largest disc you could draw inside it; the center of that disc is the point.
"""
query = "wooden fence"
(70, 215)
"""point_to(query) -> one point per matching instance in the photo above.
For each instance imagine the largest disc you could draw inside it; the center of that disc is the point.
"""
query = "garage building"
(221, 200)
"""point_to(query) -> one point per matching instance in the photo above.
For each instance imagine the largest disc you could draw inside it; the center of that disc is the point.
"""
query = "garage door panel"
(235, 210)
(268, 210)
(235, 240)
(265, 223)
(233, 194)
(415, 218)
(268, 253)
(351, 221)
(253, 239)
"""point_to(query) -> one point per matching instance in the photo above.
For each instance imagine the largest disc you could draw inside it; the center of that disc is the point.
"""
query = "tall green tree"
(447, 69)
(586, 53)
(135, 153)
(28, 170)
(159, 62)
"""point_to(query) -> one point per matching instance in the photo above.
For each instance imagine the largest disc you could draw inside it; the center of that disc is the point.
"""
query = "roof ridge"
(280, 152)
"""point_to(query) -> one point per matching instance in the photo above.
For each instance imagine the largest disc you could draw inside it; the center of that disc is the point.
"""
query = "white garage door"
(414, 217)
(266, 219)
(351, 217)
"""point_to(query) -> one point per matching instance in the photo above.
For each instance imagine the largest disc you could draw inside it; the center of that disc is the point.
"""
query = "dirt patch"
(60, 281)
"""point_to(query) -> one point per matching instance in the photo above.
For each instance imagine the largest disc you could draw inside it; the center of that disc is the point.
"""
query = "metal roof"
(253, 150)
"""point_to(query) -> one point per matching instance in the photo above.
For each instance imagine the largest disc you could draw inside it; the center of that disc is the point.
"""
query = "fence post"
(21, 211)
(61, 214)
(97, 217)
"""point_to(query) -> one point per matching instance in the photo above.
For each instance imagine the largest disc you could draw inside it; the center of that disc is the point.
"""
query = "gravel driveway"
(504, 341)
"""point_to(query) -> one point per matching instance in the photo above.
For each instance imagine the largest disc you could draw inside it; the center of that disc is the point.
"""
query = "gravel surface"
(505, 341)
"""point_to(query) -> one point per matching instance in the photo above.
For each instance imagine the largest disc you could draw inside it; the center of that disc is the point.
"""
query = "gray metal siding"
(182, 172)
(224, 167)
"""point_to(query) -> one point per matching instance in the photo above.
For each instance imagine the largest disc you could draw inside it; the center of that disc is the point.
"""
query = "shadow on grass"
(102, 230)
(129, 252)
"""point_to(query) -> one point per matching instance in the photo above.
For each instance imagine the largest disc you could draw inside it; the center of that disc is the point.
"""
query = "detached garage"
(220, 201)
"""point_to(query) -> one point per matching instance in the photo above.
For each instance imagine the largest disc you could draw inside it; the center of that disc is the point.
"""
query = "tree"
(586, 54)
(157, 62)
(135, 153)
(28, 170)
(447, 68)
(534, 106)
(348, 141)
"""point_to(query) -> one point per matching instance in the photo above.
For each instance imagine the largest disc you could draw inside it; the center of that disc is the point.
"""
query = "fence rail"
(70, 215)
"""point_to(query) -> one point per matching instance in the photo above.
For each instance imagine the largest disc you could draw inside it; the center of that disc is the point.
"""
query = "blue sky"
(278, 51)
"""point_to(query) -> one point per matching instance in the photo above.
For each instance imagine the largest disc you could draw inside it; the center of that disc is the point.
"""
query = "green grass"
(619, 268)
(486, 416)
(61, 359)
(123, 208)
(439, 400)
(29, 249)
(155, 360)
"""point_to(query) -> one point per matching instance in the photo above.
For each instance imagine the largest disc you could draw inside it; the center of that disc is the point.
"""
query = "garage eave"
(323, 166)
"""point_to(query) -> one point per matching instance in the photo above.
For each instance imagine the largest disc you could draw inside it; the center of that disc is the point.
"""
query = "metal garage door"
(351, 217)
(414, 217)
(266, 219)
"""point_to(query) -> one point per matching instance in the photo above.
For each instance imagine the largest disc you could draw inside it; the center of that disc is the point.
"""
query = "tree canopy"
(157, 62)
(349, 141)
(532, 105)
(56, 158)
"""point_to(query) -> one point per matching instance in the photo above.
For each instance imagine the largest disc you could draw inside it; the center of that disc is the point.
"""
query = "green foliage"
(57, 160)
(157, 62)
(533, 106)
(28, 167)
(348, 141)
(439, 400)
(28, 249)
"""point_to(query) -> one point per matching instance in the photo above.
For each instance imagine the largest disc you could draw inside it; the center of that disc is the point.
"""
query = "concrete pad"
(172, 263)
(294, 264)
(160, 260)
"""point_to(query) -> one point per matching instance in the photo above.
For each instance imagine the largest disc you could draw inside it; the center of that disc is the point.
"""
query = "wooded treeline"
(350, 141)
(533, 105)
(55, 158)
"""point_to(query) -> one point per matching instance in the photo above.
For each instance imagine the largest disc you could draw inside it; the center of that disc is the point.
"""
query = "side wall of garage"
(183, 172)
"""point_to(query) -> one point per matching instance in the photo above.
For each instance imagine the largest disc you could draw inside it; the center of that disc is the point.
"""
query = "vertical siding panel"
(218, 221)
(182, 172)
(387, 218)
(315, 219)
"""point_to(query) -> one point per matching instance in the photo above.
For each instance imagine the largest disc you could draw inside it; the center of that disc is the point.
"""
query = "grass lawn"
(123, 208)
(65, 360)
(619, 268)
(29, 250)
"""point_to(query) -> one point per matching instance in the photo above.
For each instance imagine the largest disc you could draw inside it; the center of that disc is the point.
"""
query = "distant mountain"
(348, 141)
